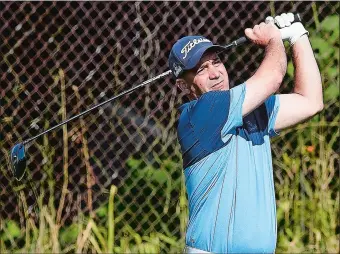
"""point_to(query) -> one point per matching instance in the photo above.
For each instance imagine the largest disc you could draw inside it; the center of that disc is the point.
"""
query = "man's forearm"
(268, 77)
(274, 65)
(307, 75)
(277, 59)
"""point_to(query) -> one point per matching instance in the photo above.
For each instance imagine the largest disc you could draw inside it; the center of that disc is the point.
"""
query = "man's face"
(209, 75)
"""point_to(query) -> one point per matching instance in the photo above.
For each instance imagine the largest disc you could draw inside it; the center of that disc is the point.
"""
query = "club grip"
(241, 40)
(297, 18)
(244, 39)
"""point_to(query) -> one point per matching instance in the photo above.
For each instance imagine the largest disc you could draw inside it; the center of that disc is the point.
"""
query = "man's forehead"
(209, 55)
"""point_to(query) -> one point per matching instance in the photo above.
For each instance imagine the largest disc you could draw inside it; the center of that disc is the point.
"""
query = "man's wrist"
(276, 50)
(297, 32)
(275, 44)
(301, 41)
(275, 41)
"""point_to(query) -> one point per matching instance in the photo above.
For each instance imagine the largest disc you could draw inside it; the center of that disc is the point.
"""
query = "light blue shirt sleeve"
(272, 106)
(237, 95)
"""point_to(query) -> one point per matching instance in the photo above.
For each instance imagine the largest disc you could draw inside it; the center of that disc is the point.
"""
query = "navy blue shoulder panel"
(256, 121)
(200, 124)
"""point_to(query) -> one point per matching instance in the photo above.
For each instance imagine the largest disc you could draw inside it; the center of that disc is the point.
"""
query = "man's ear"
(187, 89)
(181, 84)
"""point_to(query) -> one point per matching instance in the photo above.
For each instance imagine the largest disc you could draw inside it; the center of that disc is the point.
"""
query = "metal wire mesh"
(89, 52)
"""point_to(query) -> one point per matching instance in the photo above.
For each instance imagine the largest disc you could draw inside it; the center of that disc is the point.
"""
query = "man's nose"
(213, 72)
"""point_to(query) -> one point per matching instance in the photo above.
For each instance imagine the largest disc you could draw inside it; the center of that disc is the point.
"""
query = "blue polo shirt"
(228, 172)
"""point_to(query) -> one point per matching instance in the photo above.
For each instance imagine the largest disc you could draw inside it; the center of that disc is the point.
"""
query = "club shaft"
(237, 42)
(164, 74)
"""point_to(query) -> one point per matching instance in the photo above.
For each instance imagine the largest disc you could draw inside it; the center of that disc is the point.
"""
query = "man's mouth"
(218, 85)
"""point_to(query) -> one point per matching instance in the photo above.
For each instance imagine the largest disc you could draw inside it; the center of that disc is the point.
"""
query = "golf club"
(18, 155)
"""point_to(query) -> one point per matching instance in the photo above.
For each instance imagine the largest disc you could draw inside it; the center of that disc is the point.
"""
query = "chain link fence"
(112, 181)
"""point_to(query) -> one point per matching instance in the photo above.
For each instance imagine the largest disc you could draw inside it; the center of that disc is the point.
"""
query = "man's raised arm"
(306, 99)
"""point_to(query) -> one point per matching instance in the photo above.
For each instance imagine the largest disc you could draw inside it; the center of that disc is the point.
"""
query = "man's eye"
(200, 70)
(217, 62)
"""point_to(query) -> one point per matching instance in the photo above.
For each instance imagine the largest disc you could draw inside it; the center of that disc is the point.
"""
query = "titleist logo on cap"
(186, 49)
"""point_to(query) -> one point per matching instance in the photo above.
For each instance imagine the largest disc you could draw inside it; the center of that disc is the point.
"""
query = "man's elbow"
(318, 107)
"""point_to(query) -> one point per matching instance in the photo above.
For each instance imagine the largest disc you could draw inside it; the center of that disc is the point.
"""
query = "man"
(224, 135)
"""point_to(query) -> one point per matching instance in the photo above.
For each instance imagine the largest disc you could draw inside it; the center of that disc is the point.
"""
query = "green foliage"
(11, 230)
(307, 198)
(101, 211)
(331, 24)
(68, 235)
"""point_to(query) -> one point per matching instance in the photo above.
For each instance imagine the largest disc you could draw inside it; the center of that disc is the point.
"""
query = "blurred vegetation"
(307, 189)
(306, 169)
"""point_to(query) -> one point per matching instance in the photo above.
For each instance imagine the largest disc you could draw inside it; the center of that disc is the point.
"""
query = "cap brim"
(194, 60)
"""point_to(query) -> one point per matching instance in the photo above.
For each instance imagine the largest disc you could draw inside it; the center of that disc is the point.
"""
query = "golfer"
(225, 134)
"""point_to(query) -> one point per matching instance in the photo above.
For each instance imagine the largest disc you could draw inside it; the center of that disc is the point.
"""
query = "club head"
(18, 161)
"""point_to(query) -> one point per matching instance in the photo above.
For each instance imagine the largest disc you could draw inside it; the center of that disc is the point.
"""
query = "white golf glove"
(289, 31)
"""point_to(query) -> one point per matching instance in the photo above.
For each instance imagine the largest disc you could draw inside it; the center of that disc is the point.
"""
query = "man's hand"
(263, 33)
(289, 31)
